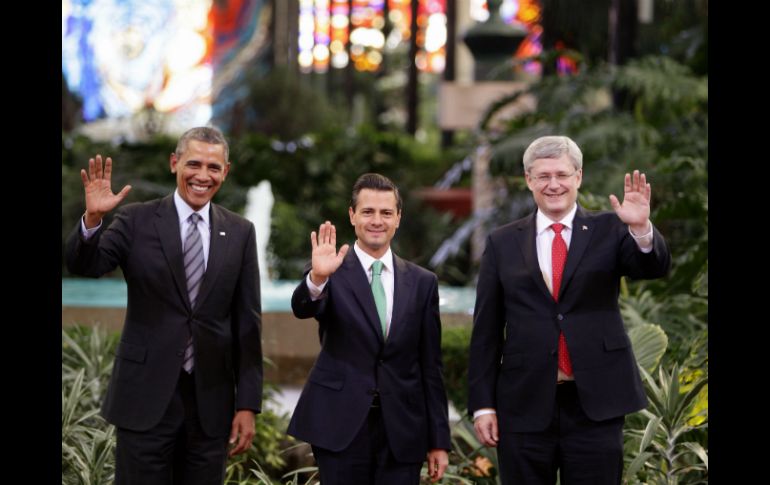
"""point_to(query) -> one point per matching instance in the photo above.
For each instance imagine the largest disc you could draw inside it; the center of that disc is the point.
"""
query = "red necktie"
(558, 258)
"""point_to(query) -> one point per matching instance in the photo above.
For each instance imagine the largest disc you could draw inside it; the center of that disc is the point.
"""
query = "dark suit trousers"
(367, 460)
(174, 452)
(584, 452)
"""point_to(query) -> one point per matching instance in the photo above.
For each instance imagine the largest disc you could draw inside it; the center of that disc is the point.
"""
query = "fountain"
(259, 206)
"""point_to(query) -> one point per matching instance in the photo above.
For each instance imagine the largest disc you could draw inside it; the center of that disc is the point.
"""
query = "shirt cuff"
(85, 232)
(481, 412)
(644, 241)
(315, 291)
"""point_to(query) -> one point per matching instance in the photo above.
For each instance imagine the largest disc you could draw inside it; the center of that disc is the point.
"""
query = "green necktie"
(379, 296)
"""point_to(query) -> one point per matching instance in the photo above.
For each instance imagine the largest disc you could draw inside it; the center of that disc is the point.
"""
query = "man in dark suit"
(187, 378)
(374, 403)
(551, 371)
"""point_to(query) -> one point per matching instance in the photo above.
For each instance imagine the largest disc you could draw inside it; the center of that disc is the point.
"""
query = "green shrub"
(88, 441)
(455, 342)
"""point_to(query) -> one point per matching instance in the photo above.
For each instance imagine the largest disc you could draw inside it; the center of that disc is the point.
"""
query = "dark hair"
(374, 181)
(206, 134)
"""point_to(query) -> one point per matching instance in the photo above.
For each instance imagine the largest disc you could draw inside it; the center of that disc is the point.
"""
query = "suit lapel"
(527, 234)
(582, 230)
(167, 226)
(402, 295)
(218, 243)
(353, 273)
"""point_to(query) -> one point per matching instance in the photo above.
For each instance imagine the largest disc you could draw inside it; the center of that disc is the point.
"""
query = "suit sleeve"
(247, 326)
(638, 265)
(432, 373)
(487, 336)
(303, 305)
(104, 251)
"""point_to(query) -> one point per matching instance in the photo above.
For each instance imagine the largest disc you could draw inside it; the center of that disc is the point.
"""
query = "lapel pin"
(585, 228)
(222, 233)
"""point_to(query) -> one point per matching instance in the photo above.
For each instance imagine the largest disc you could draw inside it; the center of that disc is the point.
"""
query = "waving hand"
(98, 188)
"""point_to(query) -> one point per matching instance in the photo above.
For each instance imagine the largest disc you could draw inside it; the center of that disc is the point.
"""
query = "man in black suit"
(187, 378)
(551, 371)
(374, 403)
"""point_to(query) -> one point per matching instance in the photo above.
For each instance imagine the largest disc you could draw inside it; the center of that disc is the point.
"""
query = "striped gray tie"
(194, 268)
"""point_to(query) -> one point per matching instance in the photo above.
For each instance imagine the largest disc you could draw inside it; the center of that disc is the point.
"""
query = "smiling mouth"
(199, 189)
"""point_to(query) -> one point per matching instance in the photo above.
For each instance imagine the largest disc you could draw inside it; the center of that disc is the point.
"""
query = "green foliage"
(270, 107)
(310, 471)
(649, 343)
(312, 178)
(681, 315)
(454, 352)
(266, 449)
(680, 30)
(671, 445)
(88, 441)
(652, 131)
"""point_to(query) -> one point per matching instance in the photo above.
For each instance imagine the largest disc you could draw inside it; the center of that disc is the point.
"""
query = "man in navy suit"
(187, 378)
(552, 373)
(374, 404)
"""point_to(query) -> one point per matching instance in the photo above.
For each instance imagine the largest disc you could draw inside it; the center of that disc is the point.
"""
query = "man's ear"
(172, 161)
(225, 171)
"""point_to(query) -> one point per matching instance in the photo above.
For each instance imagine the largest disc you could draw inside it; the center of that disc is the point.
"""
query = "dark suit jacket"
(355, 361)
(145, 241)
(513, 353)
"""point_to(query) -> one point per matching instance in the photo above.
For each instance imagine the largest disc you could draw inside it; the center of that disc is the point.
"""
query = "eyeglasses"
(545, 179)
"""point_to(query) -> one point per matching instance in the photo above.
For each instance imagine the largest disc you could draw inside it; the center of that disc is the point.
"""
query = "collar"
(367, 260)
(543, 222)
(184, 211)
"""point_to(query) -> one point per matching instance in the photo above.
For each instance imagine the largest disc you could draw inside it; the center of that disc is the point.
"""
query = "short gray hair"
(552, 147)
(206, 134)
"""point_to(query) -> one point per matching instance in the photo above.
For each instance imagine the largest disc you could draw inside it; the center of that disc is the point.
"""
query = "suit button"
(553, 351)
(382, 361)
(560, 317)
(180, 353)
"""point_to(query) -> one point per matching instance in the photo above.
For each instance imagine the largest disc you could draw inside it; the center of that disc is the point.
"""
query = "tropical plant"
(671, 446)
(88, 441)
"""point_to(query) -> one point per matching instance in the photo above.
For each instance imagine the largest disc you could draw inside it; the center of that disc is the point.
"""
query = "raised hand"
(635, 209)
(326, 259)
(98, 188)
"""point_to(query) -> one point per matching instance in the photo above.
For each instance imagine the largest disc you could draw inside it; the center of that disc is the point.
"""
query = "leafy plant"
(454, 353)
(668, 449)
(88, 441)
